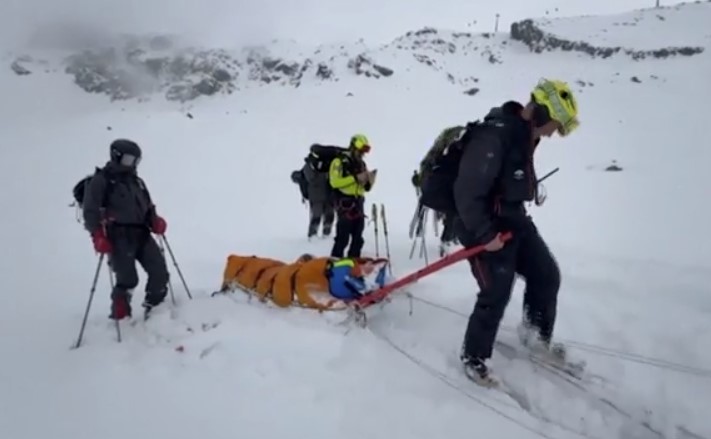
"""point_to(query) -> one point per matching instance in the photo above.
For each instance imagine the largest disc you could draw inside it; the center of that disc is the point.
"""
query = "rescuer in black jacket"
(496, 177)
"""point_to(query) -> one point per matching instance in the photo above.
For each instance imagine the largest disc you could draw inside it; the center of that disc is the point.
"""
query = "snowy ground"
(632, 245)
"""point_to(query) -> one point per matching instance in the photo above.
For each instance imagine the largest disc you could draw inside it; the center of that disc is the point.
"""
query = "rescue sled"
(319, 283)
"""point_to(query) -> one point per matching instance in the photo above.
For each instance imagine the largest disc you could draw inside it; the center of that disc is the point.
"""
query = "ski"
(574, 368)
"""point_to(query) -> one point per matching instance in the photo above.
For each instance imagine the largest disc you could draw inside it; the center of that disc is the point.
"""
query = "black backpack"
(321, 156)
(299, 178)
(437, 182)
(79, 189)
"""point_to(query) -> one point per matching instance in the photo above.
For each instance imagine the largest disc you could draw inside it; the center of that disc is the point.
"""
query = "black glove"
(415, 179)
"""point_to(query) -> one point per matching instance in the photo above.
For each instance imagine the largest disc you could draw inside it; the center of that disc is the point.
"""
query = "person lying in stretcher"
(320, 283)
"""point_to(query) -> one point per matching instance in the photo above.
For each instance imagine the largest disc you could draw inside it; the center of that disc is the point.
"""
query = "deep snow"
(632, 246)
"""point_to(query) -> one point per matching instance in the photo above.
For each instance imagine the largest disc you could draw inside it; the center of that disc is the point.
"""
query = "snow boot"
(476, 370)
(151, 301)
(530, 338)
(554, 354)
(120, 305)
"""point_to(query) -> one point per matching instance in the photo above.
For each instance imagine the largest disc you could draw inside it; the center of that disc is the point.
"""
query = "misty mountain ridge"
(141, 67)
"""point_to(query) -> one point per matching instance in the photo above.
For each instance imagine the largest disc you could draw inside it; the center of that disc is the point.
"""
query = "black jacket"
(127, 199)
(496, 176)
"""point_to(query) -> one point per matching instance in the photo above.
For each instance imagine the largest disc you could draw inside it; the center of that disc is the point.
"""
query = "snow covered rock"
(596, 35)
(134, 72)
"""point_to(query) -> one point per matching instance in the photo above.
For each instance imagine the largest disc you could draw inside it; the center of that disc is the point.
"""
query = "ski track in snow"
(636, 264)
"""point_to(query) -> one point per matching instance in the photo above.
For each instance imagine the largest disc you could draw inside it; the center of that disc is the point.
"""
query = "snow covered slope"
(636, 259)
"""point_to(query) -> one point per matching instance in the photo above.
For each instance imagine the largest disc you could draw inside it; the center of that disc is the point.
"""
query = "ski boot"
(150, 302)
(120, 305)
(476, 370)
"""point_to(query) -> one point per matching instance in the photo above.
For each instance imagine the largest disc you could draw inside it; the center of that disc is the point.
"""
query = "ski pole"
(88, 303)
(177, 268)
(387, 239)
(170, 284)
(540, 180)
(111, 283)
(418, 227)
(374, 211)
(423, 244)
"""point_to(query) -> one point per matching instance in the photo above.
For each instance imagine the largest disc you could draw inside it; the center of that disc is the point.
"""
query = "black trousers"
(527, 255)
(133, 244)
(349, 227)
(322, 211)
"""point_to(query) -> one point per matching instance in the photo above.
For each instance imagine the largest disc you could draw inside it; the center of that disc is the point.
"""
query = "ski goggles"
(130, 160)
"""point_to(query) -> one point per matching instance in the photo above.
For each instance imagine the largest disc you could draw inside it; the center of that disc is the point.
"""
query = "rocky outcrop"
(141, 68)
(362, 65)
(538, 40)
(18, 67)
(127, 74)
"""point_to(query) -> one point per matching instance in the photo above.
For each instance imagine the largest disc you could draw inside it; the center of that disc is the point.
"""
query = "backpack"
(441, 166)
(447, 137)
(79, 189)
(299, 178)
(321, 156)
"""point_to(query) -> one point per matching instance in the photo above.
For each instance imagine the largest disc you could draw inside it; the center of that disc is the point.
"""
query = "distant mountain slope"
(138, 67)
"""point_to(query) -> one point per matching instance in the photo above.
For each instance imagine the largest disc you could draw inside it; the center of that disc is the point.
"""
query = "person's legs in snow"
(329, 215)
(315, 214)
(153, 262)
(350, 224)
(494, 273)
(343, 233)
(123, 264)
(357, 241)
(537, 265)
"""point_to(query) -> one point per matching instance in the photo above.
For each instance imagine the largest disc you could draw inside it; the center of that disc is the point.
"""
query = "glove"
(371, 176)
(363, 177)
(158, 225)
(101, 242)
(415, 179)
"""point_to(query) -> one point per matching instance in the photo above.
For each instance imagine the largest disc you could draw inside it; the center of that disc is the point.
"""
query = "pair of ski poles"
(163, 242)
(375, 216)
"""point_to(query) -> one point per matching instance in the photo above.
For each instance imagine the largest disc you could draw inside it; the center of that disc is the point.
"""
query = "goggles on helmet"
(130, 160)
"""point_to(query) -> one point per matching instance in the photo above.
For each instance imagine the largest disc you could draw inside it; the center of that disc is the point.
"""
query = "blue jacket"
(343, 285)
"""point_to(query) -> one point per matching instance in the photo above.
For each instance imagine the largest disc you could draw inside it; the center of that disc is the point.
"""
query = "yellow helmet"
(560, 102)
(360, 142)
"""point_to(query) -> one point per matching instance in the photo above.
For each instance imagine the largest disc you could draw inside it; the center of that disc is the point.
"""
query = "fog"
(237, 22)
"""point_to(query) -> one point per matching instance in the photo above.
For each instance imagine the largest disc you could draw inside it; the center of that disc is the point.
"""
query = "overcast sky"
(236, 22)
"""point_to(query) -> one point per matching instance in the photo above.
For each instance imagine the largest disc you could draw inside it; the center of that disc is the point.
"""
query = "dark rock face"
(20, 69)
(362, 65)
(127, 74)
(141, 68)
(538, 40)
